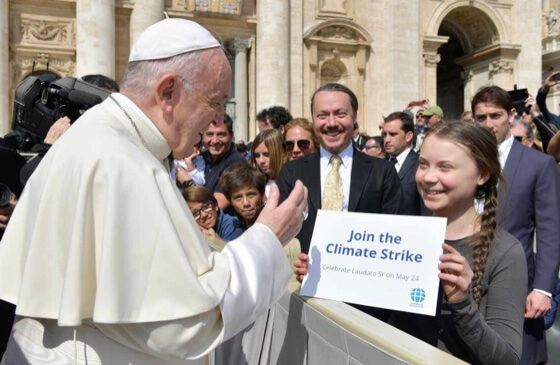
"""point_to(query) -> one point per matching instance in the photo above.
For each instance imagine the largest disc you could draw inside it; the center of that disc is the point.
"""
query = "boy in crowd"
(244, 188)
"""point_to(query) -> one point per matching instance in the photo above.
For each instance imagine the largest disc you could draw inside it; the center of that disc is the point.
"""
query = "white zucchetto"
(171, 37)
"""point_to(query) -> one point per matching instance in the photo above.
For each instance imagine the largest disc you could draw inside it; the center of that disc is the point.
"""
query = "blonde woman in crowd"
(268, 155)
(299, 138)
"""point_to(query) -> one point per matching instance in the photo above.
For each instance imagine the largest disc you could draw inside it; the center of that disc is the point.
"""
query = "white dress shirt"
(503, 150)
(345, 170)
(401, 157)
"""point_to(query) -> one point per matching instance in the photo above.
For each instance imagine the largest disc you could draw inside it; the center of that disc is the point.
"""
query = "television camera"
(40, 100)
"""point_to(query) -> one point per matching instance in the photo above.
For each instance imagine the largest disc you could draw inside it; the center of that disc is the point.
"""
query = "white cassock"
(107, 265)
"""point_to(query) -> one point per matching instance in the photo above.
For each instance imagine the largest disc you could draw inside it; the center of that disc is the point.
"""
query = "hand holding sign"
(456, 274)
(301, 266)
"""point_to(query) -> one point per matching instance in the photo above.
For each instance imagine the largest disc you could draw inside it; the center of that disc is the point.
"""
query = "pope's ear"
(166, 89)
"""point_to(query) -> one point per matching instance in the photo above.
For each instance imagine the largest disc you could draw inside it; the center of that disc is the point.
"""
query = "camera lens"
(5, 195)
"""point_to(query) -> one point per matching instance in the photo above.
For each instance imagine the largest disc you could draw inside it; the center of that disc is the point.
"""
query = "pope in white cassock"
(102, 256)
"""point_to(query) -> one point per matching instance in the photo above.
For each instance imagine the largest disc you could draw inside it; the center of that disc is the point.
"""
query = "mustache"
(216, 145)
(332, 129)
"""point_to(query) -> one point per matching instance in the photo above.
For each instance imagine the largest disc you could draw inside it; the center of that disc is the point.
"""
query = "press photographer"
(45, 107)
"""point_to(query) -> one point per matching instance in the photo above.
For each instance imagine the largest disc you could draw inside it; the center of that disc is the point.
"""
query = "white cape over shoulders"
(100, 232)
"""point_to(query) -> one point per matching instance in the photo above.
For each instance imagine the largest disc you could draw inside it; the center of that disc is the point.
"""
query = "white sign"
(379, 260)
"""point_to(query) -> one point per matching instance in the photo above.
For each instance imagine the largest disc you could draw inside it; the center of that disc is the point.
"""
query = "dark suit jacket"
(413, 204)
(532, 204)
(374, 188)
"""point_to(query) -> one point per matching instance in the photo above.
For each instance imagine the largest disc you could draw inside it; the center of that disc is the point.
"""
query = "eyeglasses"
(520, 138)
(303, 144)
(206, 208)
(366, 147)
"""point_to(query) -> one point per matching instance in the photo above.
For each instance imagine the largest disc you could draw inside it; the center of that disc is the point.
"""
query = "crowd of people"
(125, 195)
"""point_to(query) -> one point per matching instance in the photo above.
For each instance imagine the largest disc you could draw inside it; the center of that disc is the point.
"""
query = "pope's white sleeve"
(259, 275)
(260, 272)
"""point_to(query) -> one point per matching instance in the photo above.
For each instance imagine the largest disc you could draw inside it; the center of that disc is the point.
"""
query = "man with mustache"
(338, 176)
(369, 184)
(220, 153)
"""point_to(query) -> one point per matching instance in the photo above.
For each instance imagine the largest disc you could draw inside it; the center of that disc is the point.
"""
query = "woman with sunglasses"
(299, 139)
(211, 220)
(268, 155)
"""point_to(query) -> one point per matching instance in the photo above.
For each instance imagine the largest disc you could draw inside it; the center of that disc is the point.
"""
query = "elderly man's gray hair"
(141, 76)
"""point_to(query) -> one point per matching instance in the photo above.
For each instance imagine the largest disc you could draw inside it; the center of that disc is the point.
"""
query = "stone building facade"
(388, 51)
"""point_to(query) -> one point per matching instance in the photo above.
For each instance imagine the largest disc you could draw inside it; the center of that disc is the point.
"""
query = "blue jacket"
(228, 227)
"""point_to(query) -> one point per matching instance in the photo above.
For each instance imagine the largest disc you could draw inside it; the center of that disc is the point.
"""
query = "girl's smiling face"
(447, 177)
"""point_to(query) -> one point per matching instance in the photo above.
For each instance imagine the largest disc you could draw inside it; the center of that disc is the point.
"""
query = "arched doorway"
(450, 84)
(465, 47)
(469, 30)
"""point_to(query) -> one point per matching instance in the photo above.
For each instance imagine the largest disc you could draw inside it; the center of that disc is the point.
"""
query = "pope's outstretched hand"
(285, 220)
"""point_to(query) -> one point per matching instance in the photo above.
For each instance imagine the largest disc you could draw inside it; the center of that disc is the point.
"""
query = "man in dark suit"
(531, 204)
(369, 184)
(398, 137)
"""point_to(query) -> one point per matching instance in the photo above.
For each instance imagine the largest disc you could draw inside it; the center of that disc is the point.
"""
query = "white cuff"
(543, 292)
(260, 273)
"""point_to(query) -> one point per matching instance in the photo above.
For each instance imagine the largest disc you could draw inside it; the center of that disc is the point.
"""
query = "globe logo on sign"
(417, 295)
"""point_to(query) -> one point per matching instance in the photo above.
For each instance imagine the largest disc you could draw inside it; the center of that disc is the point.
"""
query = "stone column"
(241, 126)
(273, 53)
(5, 98)
(430, 76)
(95, 37)
(470, 89)
(144, 14)
(297, 102)
(528, 64)
(431, 45)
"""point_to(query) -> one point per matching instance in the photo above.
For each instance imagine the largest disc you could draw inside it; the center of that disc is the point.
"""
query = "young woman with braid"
(483, 268)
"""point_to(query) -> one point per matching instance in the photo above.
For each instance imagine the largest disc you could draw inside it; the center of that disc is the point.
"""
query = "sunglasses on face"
(519, 138)
(366, 147)
(303, 144)
(206, 208)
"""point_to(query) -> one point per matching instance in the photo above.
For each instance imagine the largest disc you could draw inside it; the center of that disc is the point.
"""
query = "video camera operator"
(61, 126)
